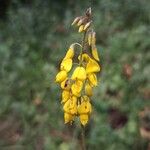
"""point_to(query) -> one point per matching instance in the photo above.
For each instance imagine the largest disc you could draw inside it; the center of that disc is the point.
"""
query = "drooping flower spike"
(77, 79)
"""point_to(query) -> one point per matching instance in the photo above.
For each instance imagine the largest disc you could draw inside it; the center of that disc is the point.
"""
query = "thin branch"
(83, 137)
(83, 44)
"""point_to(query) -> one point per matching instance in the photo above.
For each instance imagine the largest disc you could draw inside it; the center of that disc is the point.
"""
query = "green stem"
(82, 48)
(83, 138)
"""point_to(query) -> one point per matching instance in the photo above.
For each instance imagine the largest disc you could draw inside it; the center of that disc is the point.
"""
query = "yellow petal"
(65, 96)
(88, 104)
(66, 84)
(79, 73)
(70, 53)
(61, 76)
(85, 57)
(66, 65)
(71, 106)
(81, 28)
(85, 107)
(68, 118)
(92, 66)
(93, 79)
(77, 87)
(88, 89)
(66, 106)
(84, 119)
(95, 53)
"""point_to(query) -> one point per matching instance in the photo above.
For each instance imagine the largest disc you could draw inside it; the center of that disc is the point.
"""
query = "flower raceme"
(77, 79)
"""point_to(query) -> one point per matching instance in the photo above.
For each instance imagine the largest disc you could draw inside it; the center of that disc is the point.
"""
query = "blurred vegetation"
(34, 35)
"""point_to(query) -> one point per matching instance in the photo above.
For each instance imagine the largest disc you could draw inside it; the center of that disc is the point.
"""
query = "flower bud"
(81, 28)
(95, 53)
(87, 26)
(93, 38)
(89, 12)
(70, 52)
(89, 38)
(75, 21)
(83, 20)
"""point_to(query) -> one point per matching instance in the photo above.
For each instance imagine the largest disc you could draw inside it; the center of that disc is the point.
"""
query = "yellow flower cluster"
(77, 80)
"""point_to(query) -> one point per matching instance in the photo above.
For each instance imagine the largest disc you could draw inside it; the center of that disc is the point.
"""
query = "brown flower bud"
(93, 38)
(89, 38)
(82, 21)
(87, 25)
(88, 12)
(76, 20)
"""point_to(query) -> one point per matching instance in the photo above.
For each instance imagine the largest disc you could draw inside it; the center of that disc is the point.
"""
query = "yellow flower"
(85, 57)
(61, 76)
(65, 96)
(92, 66)
(68, 118)
(77, 82)
(76, 88)
(66, 65)
(93, 79)
(88, 89)
(71, 106)
(79, 73)
(70, 53)
(95, 53)
(85, 106)
(84, 119)
(66, 84)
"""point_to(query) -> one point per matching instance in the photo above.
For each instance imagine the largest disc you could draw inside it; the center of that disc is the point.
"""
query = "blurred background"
(34, 37)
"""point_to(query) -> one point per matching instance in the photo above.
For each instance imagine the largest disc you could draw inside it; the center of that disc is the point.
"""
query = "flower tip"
(84, 123)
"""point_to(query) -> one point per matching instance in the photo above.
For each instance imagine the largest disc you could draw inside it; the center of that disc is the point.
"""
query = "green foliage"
(33, 38)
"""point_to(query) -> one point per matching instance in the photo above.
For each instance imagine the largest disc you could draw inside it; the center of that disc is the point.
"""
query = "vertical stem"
(82, 48)
(83, 137)
(82, 127)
